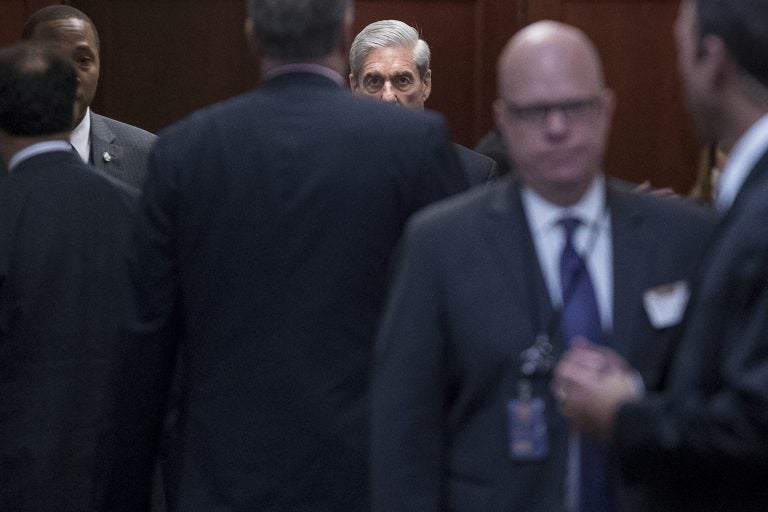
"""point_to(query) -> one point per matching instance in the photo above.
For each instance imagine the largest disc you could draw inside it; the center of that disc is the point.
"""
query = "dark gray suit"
(119, 149)
(264, 242)
(702, 445)
(468, 299)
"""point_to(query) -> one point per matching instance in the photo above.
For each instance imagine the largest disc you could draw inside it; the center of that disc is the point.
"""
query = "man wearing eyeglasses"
(492, 286)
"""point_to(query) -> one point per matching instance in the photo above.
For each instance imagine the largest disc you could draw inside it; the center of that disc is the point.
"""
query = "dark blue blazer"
(702, 443)
(64, 288)
(468, 298)
(264, 241)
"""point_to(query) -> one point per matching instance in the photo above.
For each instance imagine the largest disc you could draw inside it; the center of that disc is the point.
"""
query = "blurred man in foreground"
(701, 442)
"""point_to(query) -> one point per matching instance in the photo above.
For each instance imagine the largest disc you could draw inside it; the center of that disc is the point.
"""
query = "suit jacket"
(119, 149)
(265, 237)
(64, 231)
(492, 145)
(479, 168)
(468, 298)
(702, 444)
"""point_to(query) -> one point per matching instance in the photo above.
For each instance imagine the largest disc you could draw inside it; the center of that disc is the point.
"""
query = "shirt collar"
(747, 151)
(81, 137)
(317, 69)
(544, 215)
(38, 148)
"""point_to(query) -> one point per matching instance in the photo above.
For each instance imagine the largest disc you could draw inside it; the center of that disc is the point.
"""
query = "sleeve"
(717, 422)
(410, 388)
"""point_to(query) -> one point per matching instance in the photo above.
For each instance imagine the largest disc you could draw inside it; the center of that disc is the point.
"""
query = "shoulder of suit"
(122, 129)
(665, 210)
(457, 209)
(474, 155)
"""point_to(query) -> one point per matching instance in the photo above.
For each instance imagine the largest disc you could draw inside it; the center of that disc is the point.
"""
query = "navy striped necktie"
(581, 317)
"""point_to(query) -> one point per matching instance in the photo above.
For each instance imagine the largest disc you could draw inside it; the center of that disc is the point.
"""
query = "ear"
(609, 103)
(500, 114)
(427, 84)
(250, 38)
(353, 83)
(714, 62)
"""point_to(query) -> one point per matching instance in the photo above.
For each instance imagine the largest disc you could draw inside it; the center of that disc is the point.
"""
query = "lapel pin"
(106, 156)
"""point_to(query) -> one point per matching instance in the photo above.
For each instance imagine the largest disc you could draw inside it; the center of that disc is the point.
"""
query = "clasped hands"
(590, 383)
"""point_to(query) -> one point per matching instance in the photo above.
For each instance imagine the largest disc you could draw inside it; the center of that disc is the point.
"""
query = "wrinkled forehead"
(389, 60)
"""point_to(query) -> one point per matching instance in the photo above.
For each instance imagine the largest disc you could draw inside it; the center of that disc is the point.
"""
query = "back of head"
(37, 91)
(388, 34)
(55, 13)
(297, 30)
(743, 26)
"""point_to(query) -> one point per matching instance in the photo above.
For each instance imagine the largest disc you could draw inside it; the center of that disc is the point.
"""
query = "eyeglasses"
(580, 110)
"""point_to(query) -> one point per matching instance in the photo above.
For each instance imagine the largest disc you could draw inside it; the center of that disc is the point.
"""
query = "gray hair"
(295, 30)
(388, 34)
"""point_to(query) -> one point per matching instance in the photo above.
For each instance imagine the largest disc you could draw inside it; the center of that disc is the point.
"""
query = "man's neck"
(332, 61)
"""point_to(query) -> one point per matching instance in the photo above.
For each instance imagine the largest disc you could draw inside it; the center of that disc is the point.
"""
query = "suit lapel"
(509, 236)
(630, 258)
(103, 147)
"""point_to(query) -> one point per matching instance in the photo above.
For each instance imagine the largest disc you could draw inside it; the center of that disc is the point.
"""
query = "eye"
(84, 61)
(535, 113)
(372, 83)
(402, 81)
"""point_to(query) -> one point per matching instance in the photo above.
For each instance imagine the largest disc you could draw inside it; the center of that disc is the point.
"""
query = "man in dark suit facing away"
(701, 442)
(64, 232)
(264, 241)
(494, 284)
(112, 147)
(390, 62)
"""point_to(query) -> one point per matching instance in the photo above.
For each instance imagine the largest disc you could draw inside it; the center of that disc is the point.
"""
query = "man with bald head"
(493, 285)
(389, 62)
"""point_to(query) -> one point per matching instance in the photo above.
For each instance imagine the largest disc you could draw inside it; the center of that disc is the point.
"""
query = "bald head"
(549, 48)
(553, 109)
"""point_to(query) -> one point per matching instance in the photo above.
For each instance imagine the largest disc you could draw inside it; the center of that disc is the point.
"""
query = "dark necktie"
(581, 317)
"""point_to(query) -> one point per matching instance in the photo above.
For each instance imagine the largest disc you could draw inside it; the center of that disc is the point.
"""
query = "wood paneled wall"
(651, 137)
(14, 14)
(162, 59)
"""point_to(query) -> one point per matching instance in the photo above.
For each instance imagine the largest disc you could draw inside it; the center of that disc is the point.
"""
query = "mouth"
(562, 156)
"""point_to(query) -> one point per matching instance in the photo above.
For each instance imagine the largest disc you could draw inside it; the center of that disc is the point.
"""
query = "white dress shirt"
(747, 151)
(592, 240)
(80, 138)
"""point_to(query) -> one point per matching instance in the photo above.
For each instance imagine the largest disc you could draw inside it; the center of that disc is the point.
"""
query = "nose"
(388, 94)
(556, 123)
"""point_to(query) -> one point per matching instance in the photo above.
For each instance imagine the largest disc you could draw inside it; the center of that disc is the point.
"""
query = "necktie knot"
(569, 226)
